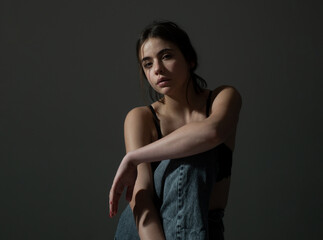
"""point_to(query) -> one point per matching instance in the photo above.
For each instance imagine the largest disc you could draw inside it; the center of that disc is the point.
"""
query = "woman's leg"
(183, 187)
(126, 229)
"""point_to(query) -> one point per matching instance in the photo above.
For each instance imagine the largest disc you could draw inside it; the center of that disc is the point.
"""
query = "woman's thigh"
(126, 229)
(183, 187)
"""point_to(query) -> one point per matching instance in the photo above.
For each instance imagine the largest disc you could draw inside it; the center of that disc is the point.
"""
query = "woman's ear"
(192, 65)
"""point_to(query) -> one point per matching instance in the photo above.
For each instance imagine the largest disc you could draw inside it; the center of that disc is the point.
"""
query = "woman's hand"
(125, 178)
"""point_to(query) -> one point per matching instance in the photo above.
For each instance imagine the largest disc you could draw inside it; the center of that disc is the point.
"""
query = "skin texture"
(137, 128)
(185, 128)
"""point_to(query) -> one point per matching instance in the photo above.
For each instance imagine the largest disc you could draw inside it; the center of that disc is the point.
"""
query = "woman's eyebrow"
(161, 52)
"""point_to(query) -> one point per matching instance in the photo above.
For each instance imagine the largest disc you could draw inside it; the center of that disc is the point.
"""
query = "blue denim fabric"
(126, 229)
(183, 187)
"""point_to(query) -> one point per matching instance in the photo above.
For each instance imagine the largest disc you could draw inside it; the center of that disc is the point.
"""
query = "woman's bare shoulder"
(138, 116)
(140, 122)
(226, 93)
(140, 113)
(225, 89)
(138, 128)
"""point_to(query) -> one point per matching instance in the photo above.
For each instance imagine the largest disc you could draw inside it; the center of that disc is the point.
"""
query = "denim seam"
(179, 223)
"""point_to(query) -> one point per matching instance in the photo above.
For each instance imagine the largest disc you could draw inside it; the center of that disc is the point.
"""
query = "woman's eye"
(147, 65)
(167, 56)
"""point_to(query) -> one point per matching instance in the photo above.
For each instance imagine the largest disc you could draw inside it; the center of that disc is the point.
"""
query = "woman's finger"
(115, 194)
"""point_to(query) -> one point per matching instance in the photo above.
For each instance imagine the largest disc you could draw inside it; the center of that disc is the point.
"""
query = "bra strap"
(156, 121)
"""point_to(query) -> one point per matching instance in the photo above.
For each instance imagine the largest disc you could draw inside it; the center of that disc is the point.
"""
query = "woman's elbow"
(217, 135)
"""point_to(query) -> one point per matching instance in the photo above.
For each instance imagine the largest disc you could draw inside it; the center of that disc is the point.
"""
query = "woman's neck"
(185, 102)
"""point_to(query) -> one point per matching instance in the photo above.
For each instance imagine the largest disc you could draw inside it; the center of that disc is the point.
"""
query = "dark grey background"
(69, 76)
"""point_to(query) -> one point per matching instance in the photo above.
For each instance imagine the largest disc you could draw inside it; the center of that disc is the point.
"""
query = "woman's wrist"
(131, 158)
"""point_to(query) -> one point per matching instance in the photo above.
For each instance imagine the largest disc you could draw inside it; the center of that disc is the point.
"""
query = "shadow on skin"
(144, 197)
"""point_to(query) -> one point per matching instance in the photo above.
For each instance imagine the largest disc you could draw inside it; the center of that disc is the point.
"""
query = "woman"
(179, 149)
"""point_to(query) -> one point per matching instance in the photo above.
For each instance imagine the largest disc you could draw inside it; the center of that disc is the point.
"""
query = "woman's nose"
(158, 67)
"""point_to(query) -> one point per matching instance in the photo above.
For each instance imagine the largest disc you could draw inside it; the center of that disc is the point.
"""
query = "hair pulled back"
(171, 32)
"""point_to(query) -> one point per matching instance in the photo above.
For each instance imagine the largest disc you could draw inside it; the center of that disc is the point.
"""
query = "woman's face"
(164, 65)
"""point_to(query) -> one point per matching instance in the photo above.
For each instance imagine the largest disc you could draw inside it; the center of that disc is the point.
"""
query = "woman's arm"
(138, 133)
(196, 137)
(192, 138)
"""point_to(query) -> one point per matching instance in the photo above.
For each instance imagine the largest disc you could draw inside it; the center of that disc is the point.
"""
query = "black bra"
(225, 153)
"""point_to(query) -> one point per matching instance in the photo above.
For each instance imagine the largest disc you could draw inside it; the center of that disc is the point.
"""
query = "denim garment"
(183, 187)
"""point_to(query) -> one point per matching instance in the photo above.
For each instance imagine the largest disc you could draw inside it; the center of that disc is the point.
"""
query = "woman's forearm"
(144, 210)
(147, 218)
(188, 140)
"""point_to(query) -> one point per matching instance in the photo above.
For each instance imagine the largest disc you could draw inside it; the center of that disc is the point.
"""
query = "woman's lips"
(162, 82)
